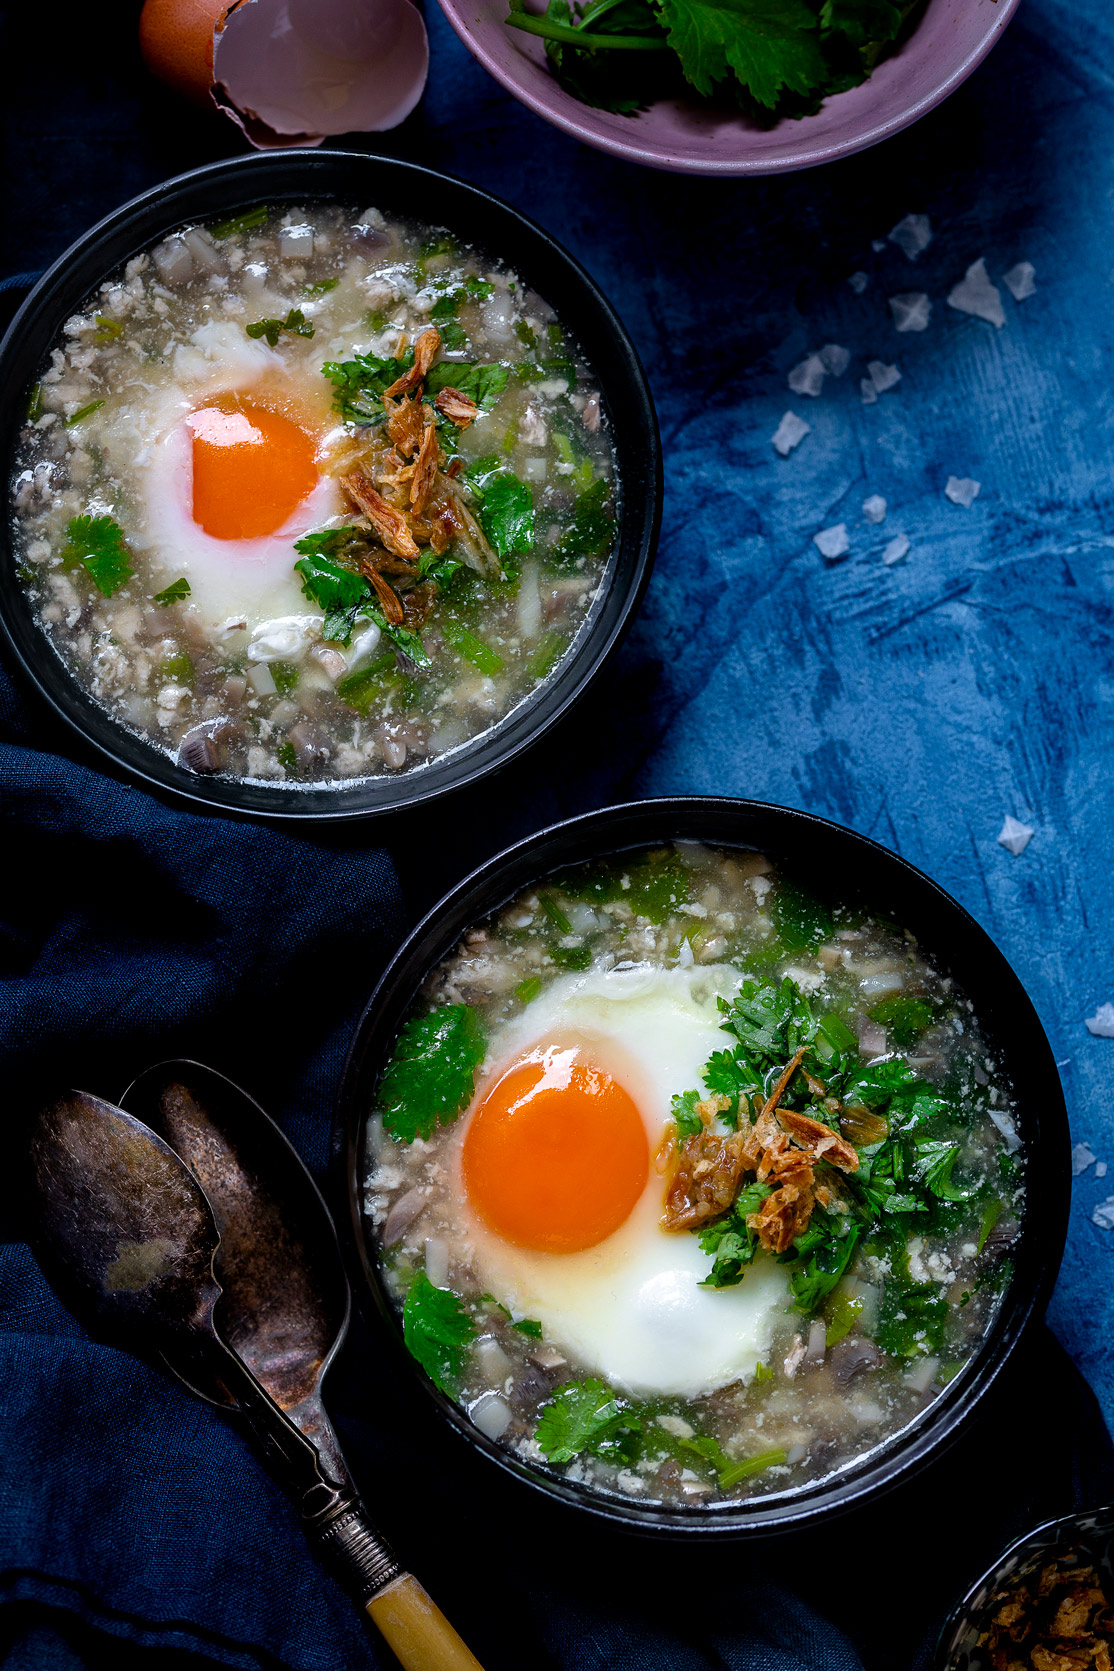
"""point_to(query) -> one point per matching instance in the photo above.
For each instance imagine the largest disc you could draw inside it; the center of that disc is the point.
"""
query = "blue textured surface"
(919, 704)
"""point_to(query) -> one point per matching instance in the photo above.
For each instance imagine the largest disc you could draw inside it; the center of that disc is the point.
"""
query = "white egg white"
(631, 1308)
(147, 443)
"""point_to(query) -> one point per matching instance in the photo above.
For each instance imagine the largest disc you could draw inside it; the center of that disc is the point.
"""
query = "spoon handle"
(418, 1633)
(420, 1636)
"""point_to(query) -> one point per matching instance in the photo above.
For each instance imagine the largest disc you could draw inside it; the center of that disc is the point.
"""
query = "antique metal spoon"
(127, 1233)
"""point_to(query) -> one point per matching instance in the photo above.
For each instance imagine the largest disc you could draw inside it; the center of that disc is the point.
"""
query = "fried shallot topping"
(825, 1143)
(390, 524)
(387, 596)
(425, 352)
(425, 470)
(1061, 1621)
(460, 408)
(781, 1148)
(404, 424)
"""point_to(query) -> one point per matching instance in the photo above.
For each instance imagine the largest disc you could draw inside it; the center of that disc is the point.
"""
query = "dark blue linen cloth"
(918, 702)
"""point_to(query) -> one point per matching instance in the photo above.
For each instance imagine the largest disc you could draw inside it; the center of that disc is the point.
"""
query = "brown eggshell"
(176, 40)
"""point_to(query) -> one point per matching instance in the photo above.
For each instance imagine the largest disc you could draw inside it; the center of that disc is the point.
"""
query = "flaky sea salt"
(1014, 836)
(975, 294)
(859, 281)
(1101, 1024)
(874, 508)
(912, 310)
(835, 359)
(1020, 281)
(789, 433)
(912, 234)
(896, 550)
(882, 376)
(808, 377)
(832, 542)
(962, 490)
(1103, 1214)
(868, 391)
(1082, 1157)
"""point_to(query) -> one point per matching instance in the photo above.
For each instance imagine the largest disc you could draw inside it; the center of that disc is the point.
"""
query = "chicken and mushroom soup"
(689, 1185)
(312, 495)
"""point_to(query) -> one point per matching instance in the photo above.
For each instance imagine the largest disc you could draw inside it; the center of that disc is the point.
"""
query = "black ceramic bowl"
(849, 869)
(1087, 1538)
(395, 187)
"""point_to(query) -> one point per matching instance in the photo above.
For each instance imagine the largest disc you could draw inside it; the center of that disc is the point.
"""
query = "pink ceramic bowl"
(951, 39)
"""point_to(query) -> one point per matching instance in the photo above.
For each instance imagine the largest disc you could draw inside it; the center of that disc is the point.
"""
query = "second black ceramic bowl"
(399, 189)
(848, 869)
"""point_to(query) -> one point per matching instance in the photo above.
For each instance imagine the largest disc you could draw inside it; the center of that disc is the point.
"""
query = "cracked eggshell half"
(292, 72)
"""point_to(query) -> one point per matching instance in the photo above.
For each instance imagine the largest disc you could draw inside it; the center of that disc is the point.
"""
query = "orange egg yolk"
(556, 1155)
(251, 470)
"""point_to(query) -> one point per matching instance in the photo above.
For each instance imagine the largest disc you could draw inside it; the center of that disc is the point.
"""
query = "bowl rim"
(1057, 1529)
(792, 160)
(775, 830)
(293, 176)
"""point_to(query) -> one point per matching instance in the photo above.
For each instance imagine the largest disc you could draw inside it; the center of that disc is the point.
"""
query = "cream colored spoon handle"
(419, 1635)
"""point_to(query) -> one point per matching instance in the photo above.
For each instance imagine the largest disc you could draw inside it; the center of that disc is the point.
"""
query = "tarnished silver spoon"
(126, 1234)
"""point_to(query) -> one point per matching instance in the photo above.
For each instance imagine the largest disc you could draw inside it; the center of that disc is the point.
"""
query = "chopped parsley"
(437, 1328)
(96, 544)
(174, 593)
(432, 1071)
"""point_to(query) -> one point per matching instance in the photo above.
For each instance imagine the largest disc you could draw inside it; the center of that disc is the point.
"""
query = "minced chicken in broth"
(311, 495)
(688, 1184)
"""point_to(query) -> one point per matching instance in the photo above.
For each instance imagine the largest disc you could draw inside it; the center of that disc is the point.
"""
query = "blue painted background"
(919, 704)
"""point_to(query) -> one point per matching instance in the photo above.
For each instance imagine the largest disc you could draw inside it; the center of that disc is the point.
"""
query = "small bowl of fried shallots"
(1047, 1604)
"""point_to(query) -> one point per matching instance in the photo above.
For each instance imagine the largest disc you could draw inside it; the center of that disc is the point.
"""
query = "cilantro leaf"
(911, 1317)
(685, 1117)
(506, 512)
(528, 1326)
(342, 594)
(802, 919)
(295, 322)
(828, 1245)
(432, 1071)
(174, 593)
(591, 529)
(481, 383)
(903, 1017)
(97, 544)
(933, 1168)
(862, 21)
(727, 1075)
(588, 1416)
(359, 383)
(730, 1241)
(767, 45)
(436, 1329)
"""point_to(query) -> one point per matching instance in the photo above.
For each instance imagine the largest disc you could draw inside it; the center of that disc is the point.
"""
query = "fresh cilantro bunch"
(773, 57)
(905, 1181)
